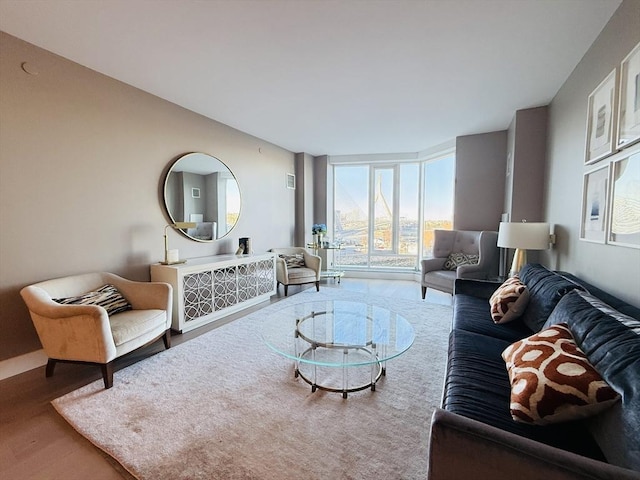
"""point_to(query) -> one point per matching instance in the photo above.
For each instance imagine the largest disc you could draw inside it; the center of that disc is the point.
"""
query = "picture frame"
(195, 192)
(624, 218)
(629, 101)
(291, 181)
(602, 114)
(595, 186)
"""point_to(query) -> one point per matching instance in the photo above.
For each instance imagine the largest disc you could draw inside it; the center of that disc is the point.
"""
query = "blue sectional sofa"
(474, 436)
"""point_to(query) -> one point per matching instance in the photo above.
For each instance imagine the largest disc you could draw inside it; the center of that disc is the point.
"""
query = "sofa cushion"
(473, 314)
(441, 279)
(135, 323)
(509, 300)
(455, 260)
(477, 386)
(611, 341)
(615, 302)
(297, 274)
(552, 380)
(546, 288)
(107, 297)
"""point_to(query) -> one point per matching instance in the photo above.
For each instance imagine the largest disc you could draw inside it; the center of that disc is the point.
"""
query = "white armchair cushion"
(135, 323)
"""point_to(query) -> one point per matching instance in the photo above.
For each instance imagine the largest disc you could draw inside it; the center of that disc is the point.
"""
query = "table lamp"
(523, 236)
(172, 257)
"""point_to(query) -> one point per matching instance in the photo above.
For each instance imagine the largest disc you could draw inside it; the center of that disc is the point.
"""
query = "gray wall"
(304, 198)
(480, 170)
(614, 268)
(526, 160)
(82, 164)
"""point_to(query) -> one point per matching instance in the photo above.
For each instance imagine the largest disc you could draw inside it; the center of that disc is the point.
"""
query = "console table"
(322, 250)
(209, 288)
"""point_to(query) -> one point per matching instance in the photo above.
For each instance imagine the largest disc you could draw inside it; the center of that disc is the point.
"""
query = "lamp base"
(173, 263)
(519, 261)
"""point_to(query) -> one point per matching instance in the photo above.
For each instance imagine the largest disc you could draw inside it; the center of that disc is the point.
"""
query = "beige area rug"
(224, 406)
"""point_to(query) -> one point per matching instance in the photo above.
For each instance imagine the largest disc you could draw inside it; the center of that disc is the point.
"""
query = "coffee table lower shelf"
(377, 369)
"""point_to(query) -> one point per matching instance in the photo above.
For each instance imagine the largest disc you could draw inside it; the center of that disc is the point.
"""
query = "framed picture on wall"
(601, 119)
(624, 220)
(629, 107)
(195, 192)
(594, 205)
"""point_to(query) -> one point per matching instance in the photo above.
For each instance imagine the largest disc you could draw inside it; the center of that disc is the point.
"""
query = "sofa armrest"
(314, 262)
(63, 329)
(460, 447)
(144, 295)
(282, 273)
(475, 288)
(476, 271)
(431, 264)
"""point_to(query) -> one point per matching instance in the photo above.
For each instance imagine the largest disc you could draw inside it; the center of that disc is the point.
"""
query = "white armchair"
(86, 333)
(292, 274)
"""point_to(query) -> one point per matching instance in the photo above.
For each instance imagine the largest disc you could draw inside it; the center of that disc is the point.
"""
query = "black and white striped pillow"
(293, 261)
(106, 296)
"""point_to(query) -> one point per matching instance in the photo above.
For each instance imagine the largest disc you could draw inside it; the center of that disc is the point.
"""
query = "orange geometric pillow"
(509, 300)
(552, 380)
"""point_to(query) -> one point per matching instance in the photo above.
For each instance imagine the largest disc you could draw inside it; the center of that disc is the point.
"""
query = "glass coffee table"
(338, 346)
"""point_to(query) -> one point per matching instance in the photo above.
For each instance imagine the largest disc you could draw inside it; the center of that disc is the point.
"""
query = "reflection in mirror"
(200, 188)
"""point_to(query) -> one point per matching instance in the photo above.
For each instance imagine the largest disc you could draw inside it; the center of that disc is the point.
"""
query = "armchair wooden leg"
(317, 285)
(424, 292)
(51, 365)
(107, 374)
(167, 339)
(286, 290)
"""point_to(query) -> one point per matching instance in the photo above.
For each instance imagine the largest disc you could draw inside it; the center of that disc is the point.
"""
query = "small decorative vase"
(319, 240)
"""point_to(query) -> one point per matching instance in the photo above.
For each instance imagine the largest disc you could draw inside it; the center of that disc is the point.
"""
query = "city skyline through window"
(383, 212)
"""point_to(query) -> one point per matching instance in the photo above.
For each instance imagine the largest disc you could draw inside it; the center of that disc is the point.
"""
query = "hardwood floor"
(37, 443)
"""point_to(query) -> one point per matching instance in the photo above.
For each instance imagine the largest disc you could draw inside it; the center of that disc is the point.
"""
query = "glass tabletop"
(324, 332)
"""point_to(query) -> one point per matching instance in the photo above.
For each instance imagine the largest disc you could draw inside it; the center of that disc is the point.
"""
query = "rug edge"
(86, 437)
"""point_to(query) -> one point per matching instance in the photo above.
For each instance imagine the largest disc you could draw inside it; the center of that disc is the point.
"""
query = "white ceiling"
(328, 77)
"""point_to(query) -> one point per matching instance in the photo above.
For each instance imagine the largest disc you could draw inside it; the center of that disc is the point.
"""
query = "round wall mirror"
(201, 189)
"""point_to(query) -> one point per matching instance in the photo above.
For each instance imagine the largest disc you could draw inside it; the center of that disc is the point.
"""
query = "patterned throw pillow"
(293, 261)
(106, 296)
(455, 260)
(552, 380)
(509, 300)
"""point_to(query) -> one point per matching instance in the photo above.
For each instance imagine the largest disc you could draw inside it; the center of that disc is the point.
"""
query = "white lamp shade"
(525, 235)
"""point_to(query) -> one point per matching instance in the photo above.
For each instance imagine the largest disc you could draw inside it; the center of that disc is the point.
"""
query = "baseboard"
(22, 363)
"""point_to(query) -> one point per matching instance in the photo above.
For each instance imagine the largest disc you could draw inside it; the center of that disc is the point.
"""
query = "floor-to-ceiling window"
(385, 213)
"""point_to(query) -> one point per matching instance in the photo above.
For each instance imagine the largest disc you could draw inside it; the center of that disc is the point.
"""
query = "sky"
(352, 188)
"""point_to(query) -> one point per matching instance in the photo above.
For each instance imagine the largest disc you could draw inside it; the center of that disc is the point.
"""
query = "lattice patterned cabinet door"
(265, 275)
(198, 295)
(247, 281)
(224, 287)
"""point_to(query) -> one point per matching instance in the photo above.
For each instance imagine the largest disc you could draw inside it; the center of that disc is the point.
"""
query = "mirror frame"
(168, 211)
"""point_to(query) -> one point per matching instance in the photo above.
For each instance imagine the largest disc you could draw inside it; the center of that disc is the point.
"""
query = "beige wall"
(82, 163)
(614, 268)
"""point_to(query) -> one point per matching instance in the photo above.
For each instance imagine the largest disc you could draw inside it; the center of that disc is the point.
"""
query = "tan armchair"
(85, 333)
(307, 273)
(446, 242)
